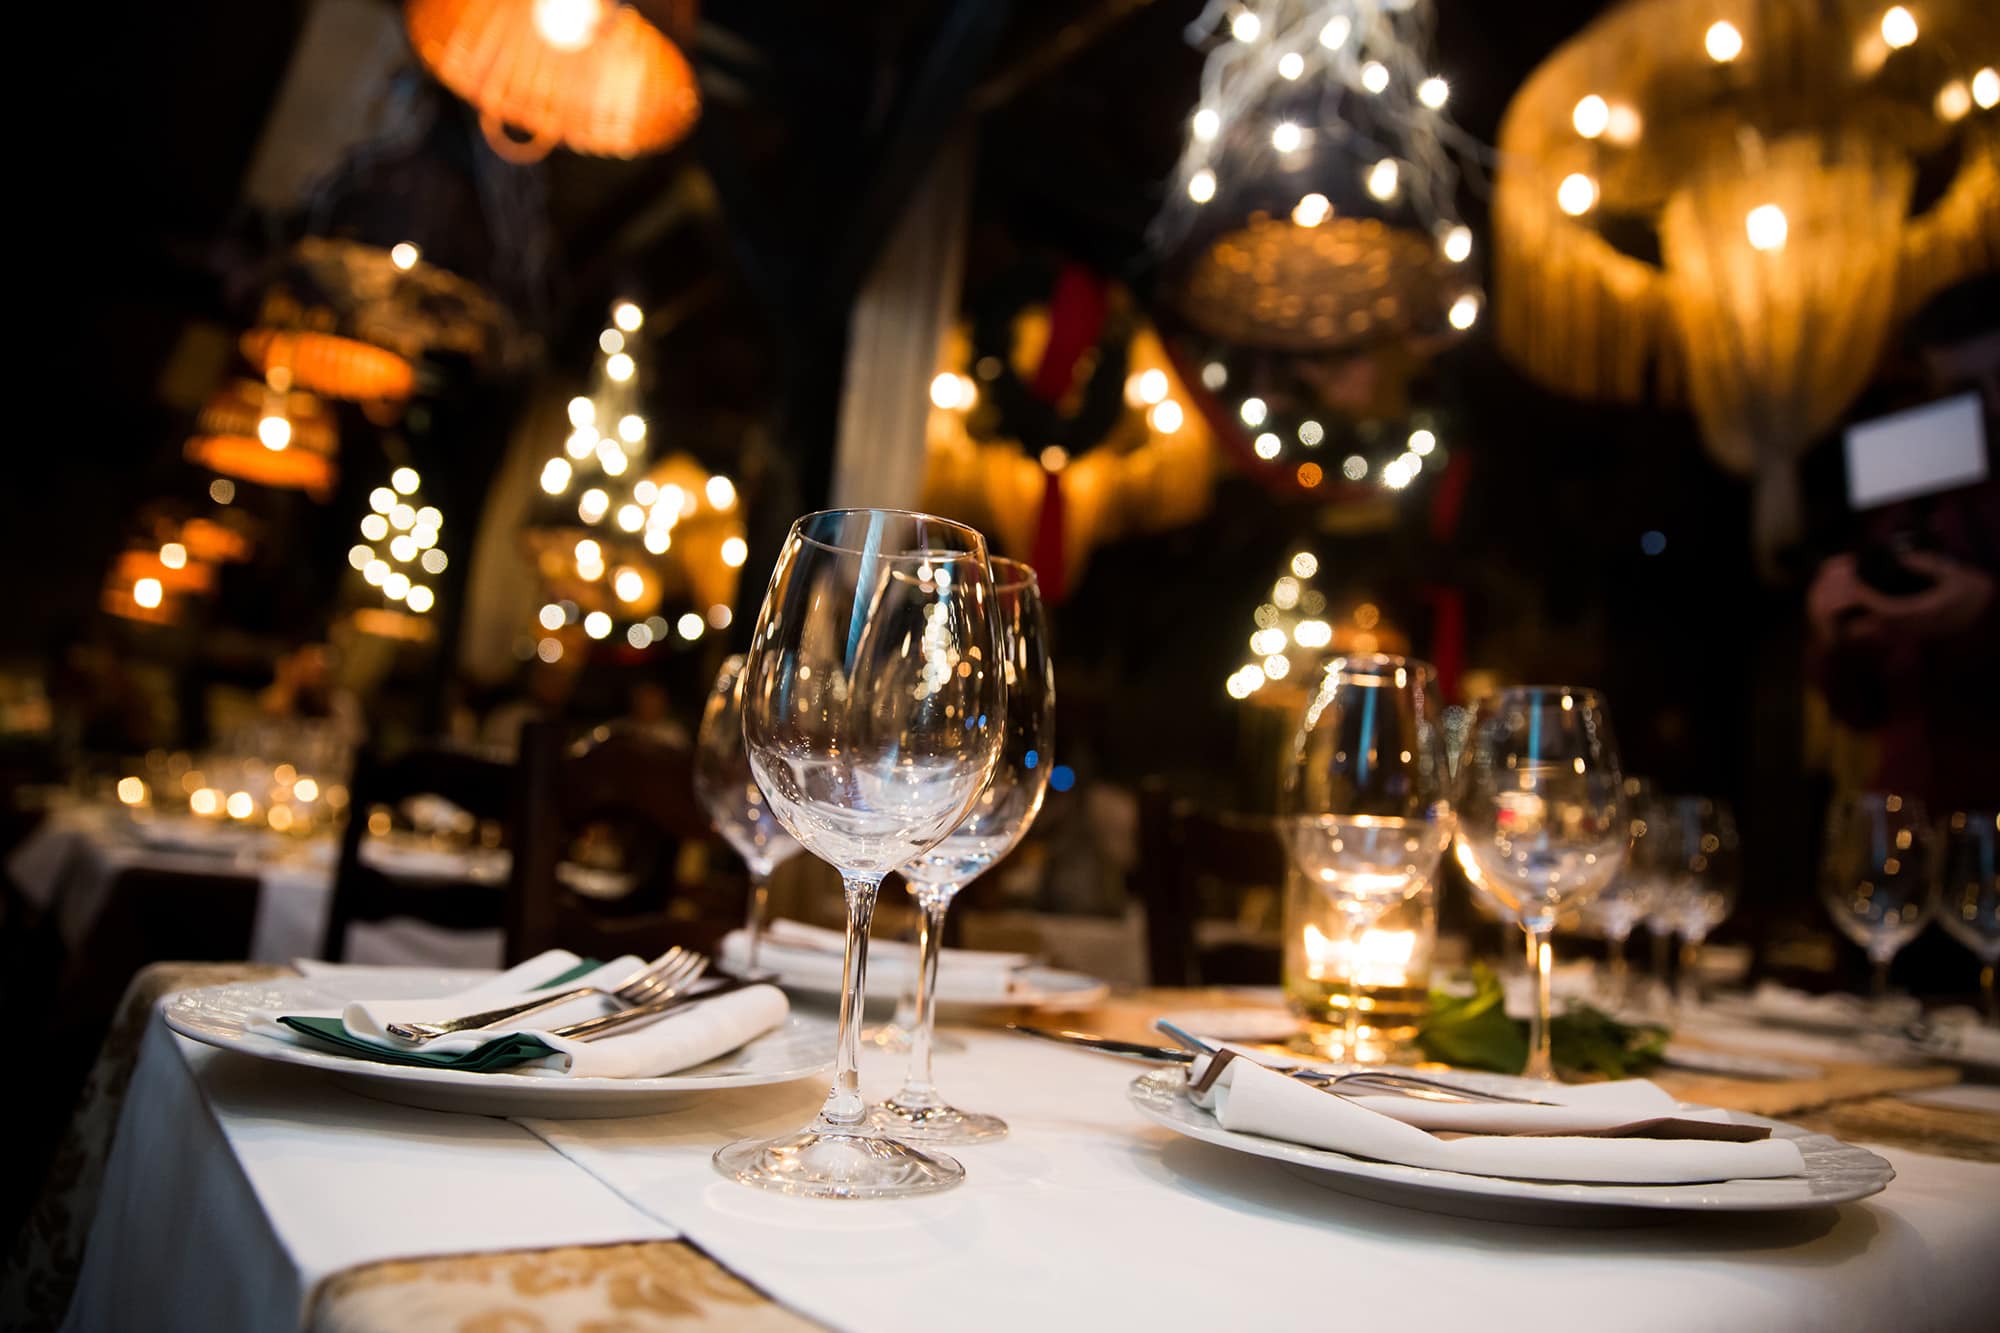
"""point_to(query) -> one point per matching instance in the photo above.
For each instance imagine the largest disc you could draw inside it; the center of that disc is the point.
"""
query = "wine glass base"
(935, 1124)
(837, 1164)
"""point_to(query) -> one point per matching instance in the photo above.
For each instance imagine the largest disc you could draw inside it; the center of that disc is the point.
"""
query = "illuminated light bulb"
(1201, 186)
(612, 458)
(396, 587)
(639, 636)
(1374, 76)
(592, 504)
(735, 551)
(551, 616)
(222, 490)
(374, 527)
(148, 593)
(1624, 125)
(404, 255)
(1410, 463)
(1433, 92)
(628, 584)
(1305, 564)
(174, 556)
(1152, 385)
(555, 476)
(1422, 442)
(609, 341)
(690, 625)
(588, 552)
(131, 791)
(1311, 433)
(549, 650)
(719, 616)
(568, 25)
(721, 492)
(1312, 210)
(381, 499)
(1591, 117)
(1354, 467)
(581, 442)
(1899, 27)
(627, 316)
(1954, 101)
(434, 561)
(672, 500)
(1334, 35)
(374, 572)
(402, 518)
(421, 599)
(644, 491)
(240, 805)
(1291, 65)
(1766, 227)
(424, 535)
(1394, 476)
(1267, 446)
(944, 390)
(1166, 417)
(1238, 688)
(1277, 666)
(1286, 136)
(1722, 42)
(359, 556)
(405, 480)
(1245, 26)
(1577, 194)
(631, 517)
(1253, 411)
(1312, 634)
(275, 432)
(1986, 88)
(582, 412)
(632, 428)
(403, 548)
(657, 540)
(597, 625)
(619, 367)
(1458, 244)
(1206, 125)
(1383, 178)
(1214, 375)
(1464, 311)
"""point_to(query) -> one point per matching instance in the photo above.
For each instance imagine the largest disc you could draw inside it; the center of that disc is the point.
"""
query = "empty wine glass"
(728, 791)
(1542, 814)
(1367, 796)
(999, 819)
(1707, 871)
(872, 708)
(1877, 880)
(1969, 896)
(1630, 897)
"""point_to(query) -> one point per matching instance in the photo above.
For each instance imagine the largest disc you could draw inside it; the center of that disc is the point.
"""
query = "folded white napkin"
(1968, 1041)
(811, 956)
(648, 1049)
(1252, 1099)
(1784, 1005)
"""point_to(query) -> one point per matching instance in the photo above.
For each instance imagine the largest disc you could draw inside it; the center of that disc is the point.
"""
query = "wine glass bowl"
(728, 792)
(1878, 884)
(1969, 892)
(871, 703)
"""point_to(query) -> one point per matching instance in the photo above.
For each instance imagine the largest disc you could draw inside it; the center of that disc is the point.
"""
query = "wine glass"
(1969, 907)
(1640, 884)
(728, 791)
(998, 821)
(872, 707)
(1367, 796)
(1542, 814)
(1877, 881)
(1707, 870)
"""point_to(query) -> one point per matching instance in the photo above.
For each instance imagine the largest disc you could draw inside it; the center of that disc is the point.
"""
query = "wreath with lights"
(1075, 300)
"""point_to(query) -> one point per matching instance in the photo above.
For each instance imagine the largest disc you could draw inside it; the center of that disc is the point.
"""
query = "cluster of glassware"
(894, 713)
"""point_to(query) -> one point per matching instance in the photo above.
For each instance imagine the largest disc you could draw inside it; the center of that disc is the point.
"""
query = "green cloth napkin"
(502, 1053)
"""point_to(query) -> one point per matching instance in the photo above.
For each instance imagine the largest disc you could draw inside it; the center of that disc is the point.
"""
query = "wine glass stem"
(1690, 971)
(1880, 987)
(1989, 999)
(932, 902)
(760, 907)
(844, 1108)
(1539, 1063)
(1620, 972)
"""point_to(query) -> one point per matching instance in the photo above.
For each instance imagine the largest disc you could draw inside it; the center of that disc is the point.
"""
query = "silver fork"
(1409, 1085)
(671, 972)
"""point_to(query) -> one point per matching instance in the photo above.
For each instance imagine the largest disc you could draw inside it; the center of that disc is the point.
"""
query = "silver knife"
(1090, 1041)
(592, 1028)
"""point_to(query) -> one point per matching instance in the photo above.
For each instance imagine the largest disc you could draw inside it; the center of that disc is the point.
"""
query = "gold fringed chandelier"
(592, 76)
(1768, 149)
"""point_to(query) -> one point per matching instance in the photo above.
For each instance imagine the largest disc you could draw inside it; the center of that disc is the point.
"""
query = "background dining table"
(250, 1195)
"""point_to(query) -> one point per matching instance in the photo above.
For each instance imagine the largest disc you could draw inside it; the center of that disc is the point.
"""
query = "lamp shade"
(329, 363)
(227, 439)
(593, 76)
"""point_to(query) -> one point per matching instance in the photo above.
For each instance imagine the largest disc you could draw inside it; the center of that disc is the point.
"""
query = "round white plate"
(1263, 1024)
(1034, 988)
(220, 1016)
(1835, 1172)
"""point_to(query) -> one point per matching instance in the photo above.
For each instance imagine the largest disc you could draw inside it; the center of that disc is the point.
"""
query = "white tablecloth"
(235, 1187)
(68, 865)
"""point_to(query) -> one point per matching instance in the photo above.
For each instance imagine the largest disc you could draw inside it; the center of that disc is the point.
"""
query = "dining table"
(201, 1189)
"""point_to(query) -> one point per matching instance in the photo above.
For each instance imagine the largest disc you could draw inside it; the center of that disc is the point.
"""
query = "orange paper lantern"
(226, 440)
(331, 364)
(592, 76)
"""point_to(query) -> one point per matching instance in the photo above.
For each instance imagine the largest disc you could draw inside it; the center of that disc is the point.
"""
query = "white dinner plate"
(221, 1016)
(1836, 1172)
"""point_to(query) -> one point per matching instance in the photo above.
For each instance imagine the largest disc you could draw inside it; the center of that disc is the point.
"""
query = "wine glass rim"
(975, 550)
(1351, 663)
(1011, 575)
(1583, 692)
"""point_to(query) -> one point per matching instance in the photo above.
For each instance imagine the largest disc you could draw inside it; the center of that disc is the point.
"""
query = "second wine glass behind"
(735, 804)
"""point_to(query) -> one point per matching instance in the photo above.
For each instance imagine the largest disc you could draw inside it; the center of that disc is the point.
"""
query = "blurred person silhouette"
(1906, 624)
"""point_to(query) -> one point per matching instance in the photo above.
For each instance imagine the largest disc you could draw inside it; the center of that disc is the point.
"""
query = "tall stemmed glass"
(1877, 884)
(1542, 814)
(1633, 893)
(998, 821)
(1969, 907)
(728, 791)
(1367, 796)
(1704, 892)
(872, 706)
